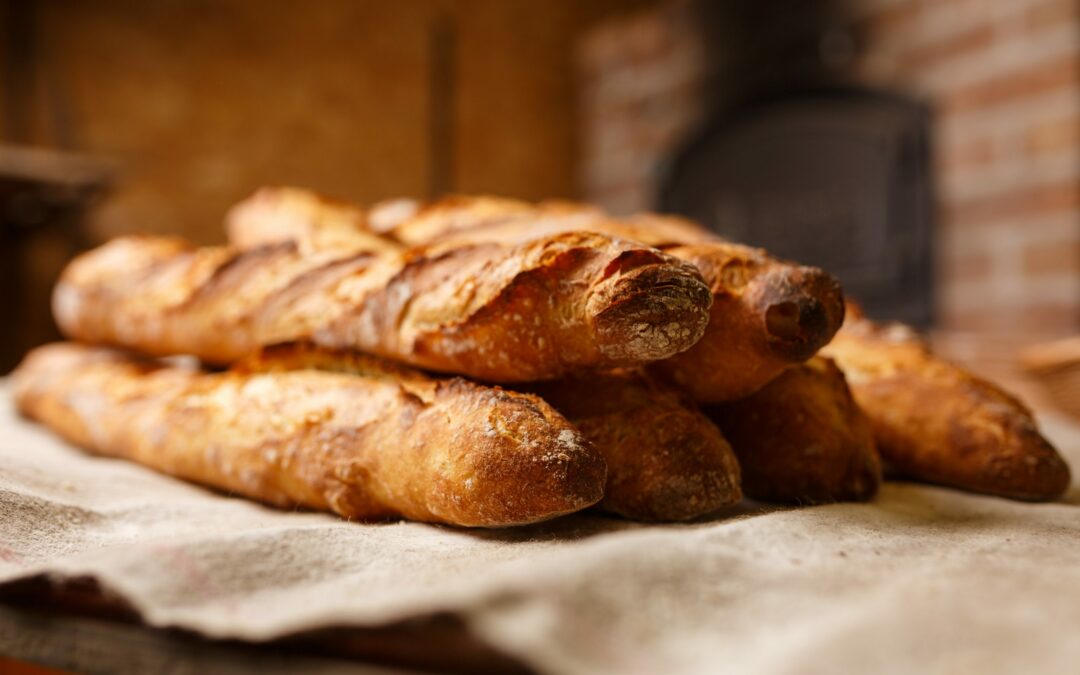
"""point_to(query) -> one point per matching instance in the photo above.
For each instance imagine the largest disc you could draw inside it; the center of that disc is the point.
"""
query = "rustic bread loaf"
(802, 439)
(532, 311)
(935, 422)
(375, 443)
(766, 314)
(666, 460)
(315, 223)
(463, 219)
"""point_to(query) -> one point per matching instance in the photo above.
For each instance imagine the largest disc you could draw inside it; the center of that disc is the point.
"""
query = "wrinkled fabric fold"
(923, 579)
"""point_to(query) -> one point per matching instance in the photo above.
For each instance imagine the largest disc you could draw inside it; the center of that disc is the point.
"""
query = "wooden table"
(76, 627)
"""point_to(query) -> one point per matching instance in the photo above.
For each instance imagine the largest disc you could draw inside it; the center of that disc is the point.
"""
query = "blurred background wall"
(166, 112)
(199, 101)
(1000, 80)
(157, 115)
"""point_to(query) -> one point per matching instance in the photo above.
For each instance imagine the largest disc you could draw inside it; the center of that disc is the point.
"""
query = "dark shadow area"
(78, 625)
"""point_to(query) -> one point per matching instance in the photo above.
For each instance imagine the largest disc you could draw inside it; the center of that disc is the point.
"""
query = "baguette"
(314, 223)
(373, 444)
(935, 422)
(766, 314)
(665, 460)
(532, 311)
(319, 223)
(802, 439)
(464, 219)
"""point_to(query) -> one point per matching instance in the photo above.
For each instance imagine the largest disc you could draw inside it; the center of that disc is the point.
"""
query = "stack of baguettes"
(368, 351)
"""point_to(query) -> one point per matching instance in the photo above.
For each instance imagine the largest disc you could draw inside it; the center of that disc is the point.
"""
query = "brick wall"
(641, 91)
(1002, 78)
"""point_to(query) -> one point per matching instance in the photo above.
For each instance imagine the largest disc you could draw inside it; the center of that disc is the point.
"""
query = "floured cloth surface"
(922, 580)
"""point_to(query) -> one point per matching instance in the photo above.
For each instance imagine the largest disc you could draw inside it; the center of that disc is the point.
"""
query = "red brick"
(1053, 13)
(1044, 77)
(1048, 258)
(976, 153)
(1052, 136)
(966, 268)
(1039, 318)
(899, 17)
(1035, 201)
(1031, 316)
(975, 38)
(966, 321)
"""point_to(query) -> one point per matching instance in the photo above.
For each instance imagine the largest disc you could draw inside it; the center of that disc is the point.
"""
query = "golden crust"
(371, 444)
(935, 422)
(666, 460)
(802, 439)
(532, 311)
(766, 314)
(464, 219)
(274, 215)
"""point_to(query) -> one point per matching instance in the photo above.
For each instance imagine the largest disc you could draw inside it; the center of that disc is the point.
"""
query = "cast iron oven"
(795, 156)
(836, 178)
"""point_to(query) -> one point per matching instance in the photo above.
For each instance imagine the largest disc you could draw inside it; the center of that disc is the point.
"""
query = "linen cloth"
(923, 579)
